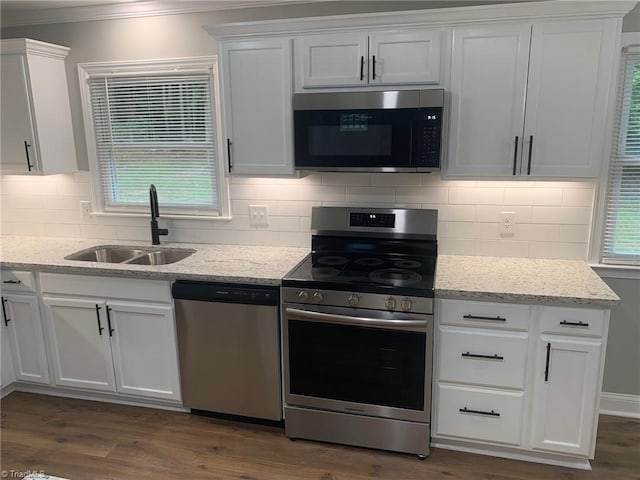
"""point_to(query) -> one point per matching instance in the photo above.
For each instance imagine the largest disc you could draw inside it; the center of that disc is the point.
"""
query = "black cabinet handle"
(109, 321)
(361, 68)
(574, 324)
(515, 155)
(546, 366)
(480, 317)
(230, 165)
(530, 151)
(495, 356)
(479, 412)
(4, 313)
(26, 152)
(373, 68)
(100, 327)
(17, 282)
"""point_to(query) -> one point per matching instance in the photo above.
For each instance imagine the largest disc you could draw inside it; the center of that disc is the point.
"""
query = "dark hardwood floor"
(84, 440)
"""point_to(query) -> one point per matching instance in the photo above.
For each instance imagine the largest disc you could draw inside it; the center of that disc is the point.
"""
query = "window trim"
(600, 206)
(146, 67)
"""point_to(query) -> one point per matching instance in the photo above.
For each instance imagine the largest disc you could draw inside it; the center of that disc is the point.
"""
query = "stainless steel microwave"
(379, 131)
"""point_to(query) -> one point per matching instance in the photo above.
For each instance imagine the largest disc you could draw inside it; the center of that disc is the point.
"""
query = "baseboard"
(7, 390)
(97, 397)
(620, 405)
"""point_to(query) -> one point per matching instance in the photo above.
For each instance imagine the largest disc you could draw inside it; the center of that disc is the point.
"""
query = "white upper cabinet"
(531, 99)
(37, 135)
(398, 57)
(257, 90)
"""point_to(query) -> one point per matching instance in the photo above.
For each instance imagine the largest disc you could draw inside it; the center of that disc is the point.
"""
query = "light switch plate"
(85, 210)
(258, 215)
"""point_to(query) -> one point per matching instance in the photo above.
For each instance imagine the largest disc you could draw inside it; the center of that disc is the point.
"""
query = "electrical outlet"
(258, 215)
(507, 223)
(85, 210)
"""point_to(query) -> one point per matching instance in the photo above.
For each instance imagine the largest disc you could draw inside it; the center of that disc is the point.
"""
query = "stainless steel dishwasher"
(229, 348)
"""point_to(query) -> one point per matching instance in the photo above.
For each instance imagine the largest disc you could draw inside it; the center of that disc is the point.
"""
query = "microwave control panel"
(430, 137)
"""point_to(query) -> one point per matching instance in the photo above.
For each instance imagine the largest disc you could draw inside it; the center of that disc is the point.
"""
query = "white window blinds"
(622, 230)
(155, 129)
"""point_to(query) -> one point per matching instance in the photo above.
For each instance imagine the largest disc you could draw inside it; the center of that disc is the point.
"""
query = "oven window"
(357, 364)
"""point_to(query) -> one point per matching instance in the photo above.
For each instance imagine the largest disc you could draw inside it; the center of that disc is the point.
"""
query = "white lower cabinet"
(505, 391)
(22, 331)
(117, 344)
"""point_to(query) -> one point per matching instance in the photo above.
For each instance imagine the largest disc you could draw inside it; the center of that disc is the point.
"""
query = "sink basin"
(160, 257)
(131, 255)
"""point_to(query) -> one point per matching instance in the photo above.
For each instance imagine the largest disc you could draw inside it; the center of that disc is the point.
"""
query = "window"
(153, 123)
(622, 223)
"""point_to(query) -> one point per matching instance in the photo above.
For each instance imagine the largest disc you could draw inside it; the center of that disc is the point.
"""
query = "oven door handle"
(357, 321)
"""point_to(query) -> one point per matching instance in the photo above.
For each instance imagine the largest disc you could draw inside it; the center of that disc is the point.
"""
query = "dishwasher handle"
(226, 292)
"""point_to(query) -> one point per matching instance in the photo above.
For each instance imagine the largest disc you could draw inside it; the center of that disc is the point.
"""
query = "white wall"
(553, 218)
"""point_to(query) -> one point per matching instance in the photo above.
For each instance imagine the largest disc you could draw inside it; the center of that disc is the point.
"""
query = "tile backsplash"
(552, 218)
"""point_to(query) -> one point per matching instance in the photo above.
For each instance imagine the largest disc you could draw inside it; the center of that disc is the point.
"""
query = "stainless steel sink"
(161, 257)
(131, 255)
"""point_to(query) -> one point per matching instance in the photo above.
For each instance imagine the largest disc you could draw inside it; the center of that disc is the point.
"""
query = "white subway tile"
(284, 224)
(62, 202)
(573, 233)
(241, 206)
(432, 195)
(22, 201)
(346, 178)
(491, 213)
(476, 195)
(578, 196)
(60, 230)
(396, 179)
(462, 230)
(457, 213)
(98, 231)
(560, 250)
(536, 231)
(456, 246)
(561, 215)
(241, 191)
(305, 224)
(132, 233)
(371, 194)
(322, 193)
(502, 248)
(275, 192)
(296, 208)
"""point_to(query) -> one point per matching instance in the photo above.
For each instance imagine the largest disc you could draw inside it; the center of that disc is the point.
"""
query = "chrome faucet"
(155, 213)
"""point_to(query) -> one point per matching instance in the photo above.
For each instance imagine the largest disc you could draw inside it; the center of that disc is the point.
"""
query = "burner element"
(410, 264)
(332, 260)
(369, 261)
(395, 276)
(324, 272)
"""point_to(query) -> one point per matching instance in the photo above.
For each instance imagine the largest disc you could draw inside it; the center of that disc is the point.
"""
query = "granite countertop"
(228, 263)
(521, 280)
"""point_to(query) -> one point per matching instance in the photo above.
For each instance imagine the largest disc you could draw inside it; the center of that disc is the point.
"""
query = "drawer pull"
(4, 313)
(480, 317)
(17, 282)
(574, 324)
(495, 356)
(479, 412)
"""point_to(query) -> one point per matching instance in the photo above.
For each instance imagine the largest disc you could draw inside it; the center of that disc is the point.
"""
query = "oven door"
(365, 362)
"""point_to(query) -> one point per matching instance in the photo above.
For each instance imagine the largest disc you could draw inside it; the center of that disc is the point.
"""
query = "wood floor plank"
(84, 440)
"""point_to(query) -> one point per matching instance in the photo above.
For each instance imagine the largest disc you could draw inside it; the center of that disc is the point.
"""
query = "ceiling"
(30, 12)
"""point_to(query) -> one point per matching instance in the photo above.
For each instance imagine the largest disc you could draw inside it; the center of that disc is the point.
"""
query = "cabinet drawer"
(16, 281)
(477, 414)
(106, 287)
(484, 314)
(573, 321)
(482, 357)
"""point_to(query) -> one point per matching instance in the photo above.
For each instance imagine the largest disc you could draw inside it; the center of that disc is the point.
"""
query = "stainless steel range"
(358, 330)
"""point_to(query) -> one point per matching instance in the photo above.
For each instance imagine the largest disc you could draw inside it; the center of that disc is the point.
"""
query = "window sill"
(163, 216)
(616, 271)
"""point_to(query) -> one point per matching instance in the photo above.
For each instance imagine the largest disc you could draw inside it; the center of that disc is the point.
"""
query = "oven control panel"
(378, 220)
(358, 300)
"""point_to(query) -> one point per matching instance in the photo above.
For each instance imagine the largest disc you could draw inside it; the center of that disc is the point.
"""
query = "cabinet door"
(334, 60)
(24, 327)
(7, 373)
(17, 127)
(144, 349)
(570, 79)
(257, 89)
(79, 343)
(404, 57)
(565, 393)
(488, 80)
